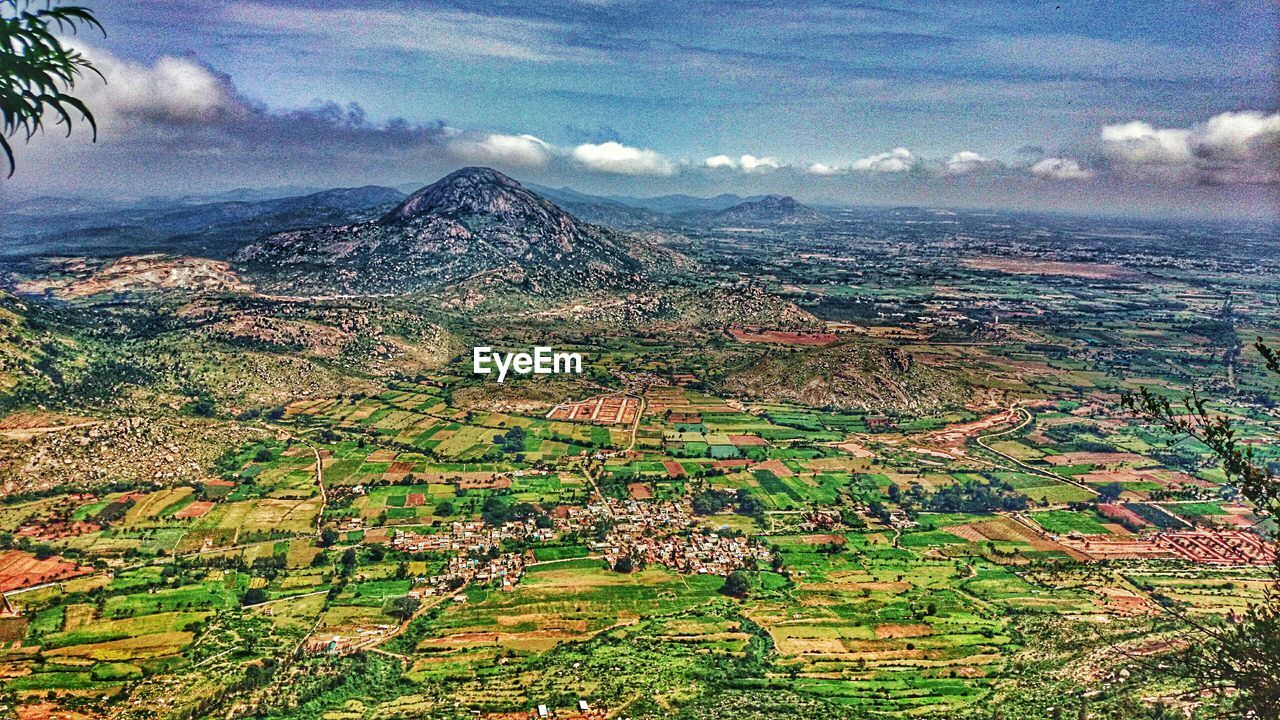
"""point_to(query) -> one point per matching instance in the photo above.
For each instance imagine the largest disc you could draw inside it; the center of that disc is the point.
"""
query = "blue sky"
(959, 101)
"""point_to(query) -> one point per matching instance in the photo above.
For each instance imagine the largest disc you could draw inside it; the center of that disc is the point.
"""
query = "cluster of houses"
(505, 571)
(699, 552)
(474, 536)
(646, 532)
(664, 532)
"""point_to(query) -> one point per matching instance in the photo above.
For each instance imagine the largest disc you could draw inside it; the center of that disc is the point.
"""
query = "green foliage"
(37, 70)
(402, 607)
(1238, 659)
(736, 585)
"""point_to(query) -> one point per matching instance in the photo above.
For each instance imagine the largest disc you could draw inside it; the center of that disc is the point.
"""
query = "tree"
(735, 585)
(1110, 492)
(253, 596)
(1236, 659)
(348, 560)
(403, 607)
(37, 72)
(328, 537)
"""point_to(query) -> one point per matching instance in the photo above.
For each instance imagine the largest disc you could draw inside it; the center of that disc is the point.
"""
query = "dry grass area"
(1027, 266)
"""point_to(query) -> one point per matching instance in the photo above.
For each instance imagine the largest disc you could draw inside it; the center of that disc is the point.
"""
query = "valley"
(838, 462)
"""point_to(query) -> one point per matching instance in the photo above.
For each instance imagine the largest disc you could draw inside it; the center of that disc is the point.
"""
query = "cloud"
(614, 157)
(1232, 147)
(967, 161)
(721, 161)
(896, 160)
(751, 163)
(447, 33)
(1057, 168)
(1139, 143)
(512, 150)
(821, 169)
(745, 163)
(173, 90)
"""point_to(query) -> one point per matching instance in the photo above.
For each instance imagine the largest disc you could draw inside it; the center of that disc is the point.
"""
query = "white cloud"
(745, 163)
(896, 160)
(516, 150)
(821, 169)
(173, 90)
(967, 161)
(1232, 147)
(1057, 168)
(1239, 132)
(613, 157)
(751, 163)
(1140, 143)
(448, 33)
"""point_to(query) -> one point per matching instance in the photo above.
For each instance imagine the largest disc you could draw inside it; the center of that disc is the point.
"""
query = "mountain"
(768, 210)
(47, 227)
(604, 211)
(679, 203)
(473, 222)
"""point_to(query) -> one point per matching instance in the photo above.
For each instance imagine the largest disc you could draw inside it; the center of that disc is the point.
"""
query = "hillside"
(849, 376)
(473, 222)
(768, 210)
(196, 226)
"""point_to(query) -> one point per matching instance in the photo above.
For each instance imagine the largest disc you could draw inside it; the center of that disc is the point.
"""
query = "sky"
(1144, 108)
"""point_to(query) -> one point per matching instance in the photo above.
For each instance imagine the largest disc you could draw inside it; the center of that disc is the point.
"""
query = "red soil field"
(639, 491)
(748, 441)
(415, 500)
(199, 508)
(19, 570)
(600, 410)
(674, 469)
(1219, 547)
(1122, 514)
(782, 337)
(776, 467)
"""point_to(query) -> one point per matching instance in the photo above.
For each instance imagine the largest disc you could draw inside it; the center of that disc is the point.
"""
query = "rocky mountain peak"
(480, 191)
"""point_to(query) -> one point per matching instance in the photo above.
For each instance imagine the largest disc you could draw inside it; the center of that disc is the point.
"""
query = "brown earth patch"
(639, 491)
(20, 569)
(199, 508)
(1030, 266)
(903, 630)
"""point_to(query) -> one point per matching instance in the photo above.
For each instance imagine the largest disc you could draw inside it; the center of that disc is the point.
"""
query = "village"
(625, 534)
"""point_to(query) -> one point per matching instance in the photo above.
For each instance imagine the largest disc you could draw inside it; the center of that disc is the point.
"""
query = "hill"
(474, 222)
(848, 376)
(768, 210)
(604, 211)
(191, 226)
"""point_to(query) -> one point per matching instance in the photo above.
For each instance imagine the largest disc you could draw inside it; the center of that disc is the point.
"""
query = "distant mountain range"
(474, 223)
(630, 213)
(218, 225)
(61, 226)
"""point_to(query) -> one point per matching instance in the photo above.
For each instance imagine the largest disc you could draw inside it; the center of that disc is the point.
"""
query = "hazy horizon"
(1132, 108)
